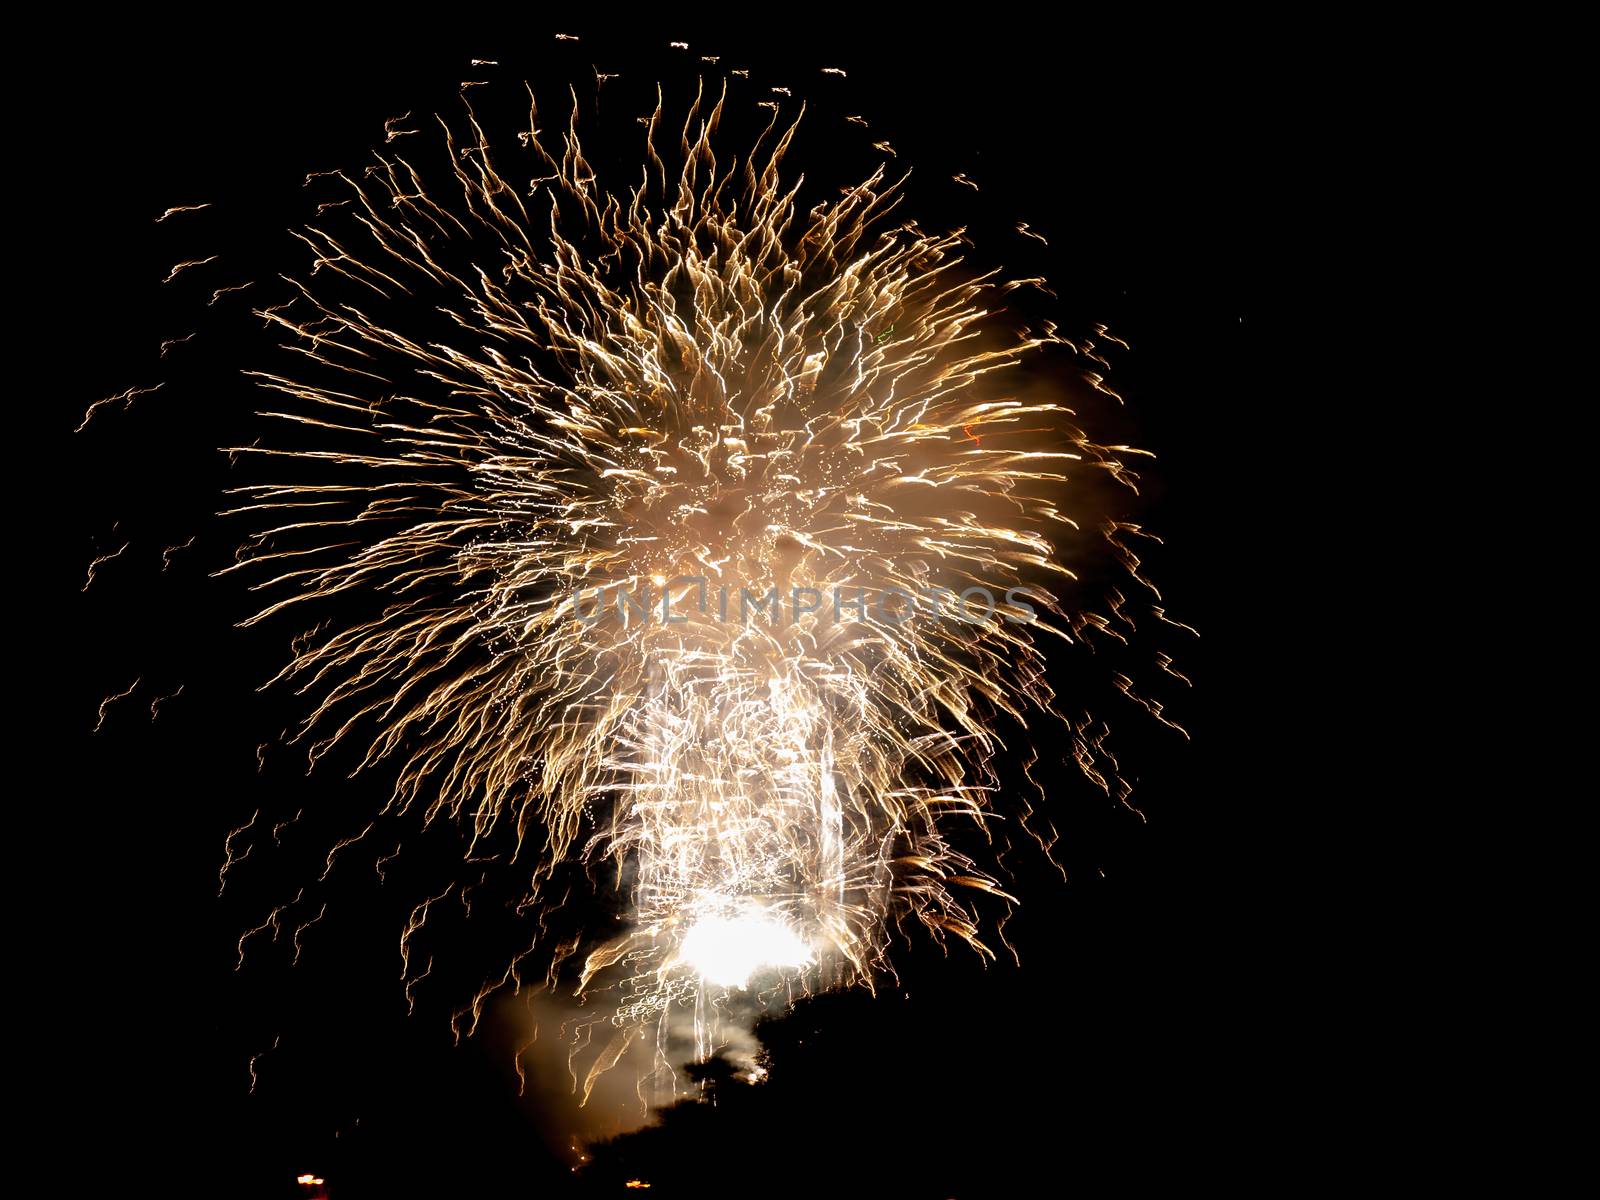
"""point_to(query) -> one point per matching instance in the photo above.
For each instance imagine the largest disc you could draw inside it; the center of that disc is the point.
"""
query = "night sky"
(1114, 1052)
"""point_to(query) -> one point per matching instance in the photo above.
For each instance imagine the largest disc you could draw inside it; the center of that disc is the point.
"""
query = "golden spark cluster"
(638, 523)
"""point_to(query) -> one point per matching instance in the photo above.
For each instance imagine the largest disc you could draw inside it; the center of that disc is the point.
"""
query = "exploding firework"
(662, 526)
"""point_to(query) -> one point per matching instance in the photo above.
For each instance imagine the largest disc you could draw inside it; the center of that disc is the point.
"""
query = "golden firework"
(692, 535)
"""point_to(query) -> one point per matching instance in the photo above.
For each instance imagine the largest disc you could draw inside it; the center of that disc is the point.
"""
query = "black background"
(1128, 1043)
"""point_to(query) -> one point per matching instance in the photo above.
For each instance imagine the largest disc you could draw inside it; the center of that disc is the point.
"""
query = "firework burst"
(667, 527)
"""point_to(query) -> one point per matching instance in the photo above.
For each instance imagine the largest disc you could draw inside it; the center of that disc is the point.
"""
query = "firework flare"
(657, 525)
